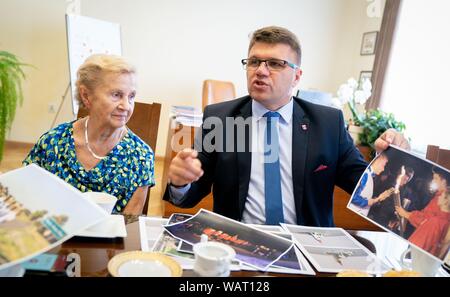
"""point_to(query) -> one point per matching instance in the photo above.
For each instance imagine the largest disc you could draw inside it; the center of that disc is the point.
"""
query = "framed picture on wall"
(369, 41)
(365, 75)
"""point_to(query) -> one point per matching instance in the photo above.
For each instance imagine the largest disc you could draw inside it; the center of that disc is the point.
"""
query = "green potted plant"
(11, 95)
(374, 123)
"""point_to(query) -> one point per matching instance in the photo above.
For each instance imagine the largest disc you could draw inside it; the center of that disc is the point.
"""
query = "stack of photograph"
(258, 248)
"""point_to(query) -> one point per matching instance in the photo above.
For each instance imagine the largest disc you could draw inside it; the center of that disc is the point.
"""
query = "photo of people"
(408, 196)
(334, 250)
(253, 247)
(363, 198)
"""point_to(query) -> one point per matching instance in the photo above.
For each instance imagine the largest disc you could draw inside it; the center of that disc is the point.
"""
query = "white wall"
(35, 31)
(416, 86)
(360, 17)
(176, 44)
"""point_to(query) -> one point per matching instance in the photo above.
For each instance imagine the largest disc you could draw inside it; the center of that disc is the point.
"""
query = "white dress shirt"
(254, 210)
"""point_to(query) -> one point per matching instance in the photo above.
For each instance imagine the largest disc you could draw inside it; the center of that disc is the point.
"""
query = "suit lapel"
(244, 158)
(300, 132)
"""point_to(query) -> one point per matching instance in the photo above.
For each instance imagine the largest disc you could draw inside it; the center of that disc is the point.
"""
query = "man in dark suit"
(270, 157)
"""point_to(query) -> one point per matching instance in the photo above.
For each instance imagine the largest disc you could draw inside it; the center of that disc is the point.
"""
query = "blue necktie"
(272, 180)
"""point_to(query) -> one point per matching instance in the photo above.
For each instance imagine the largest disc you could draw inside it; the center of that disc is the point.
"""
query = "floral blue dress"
(129, 165)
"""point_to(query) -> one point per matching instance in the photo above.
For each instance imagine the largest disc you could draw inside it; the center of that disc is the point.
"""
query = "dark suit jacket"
(324, 142)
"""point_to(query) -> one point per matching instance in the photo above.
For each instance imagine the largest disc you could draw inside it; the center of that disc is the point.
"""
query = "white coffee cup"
(104, 200)
(213, 259)
(421, 262)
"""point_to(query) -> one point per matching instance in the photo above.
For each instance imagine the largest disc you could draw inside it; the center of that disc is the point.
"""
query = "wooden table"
(96, 253)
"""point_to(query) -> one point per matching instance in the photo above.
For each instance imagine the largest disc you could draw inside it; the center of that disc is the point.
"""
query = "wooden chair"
(215, 91)
(144, 123)
(439, 156)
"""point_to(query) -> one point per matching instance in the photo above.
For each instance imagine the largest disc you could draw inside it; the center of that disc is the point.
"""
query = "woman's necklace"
(87, 140)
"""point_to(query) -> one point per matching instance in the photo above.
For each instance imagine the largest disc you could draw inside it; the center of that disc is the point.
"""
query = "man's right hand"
(386, 194)
(185, 168)
(382, 196)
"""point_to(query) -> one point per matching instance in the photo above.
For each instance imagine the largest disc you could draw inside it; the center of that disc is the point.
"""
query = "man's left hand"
(391, 136)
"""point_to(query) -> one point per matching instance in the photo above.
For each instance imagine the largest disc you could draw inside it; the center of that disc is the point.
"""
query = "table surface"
(95, 253)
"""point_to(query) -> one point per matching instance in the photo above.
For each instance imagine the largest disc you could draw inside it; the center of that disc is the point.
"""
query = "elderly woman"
(99, 153)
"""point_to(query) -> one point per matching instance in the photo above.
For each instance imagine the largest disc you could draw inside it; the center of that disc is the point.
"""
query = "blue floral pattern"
(129, 165)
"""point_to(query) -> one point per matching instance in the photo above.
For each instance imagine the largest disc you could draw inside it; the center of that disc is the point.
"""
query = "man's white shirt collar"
(258, 110)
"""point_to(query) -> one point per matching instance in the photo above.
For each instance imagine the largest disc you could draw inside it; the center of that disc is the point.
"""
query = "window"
(416, 86)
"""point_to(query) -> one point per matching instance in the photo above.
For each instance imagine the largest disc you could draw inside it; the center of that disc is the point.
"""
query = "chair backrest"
(215, 91)
(438, 156)
(144, 123)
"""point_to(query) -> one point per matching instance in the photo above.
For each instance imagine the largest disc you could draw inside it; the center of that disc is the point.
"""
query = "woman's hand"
(402, 212)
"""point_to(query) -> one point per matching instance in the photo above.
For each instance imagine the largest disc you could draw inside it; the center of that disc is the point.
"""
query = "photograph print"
(334, 250)
(408, 196)
(327, 237)
(292, 262)
(168, 245)
(178, 217)
(41, 214)
(150, 230)
(327, 259)
(254, 247)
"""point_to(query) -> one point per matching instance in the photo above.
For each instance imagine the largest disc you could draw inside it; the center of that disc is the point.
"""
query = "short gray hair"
(92, 70)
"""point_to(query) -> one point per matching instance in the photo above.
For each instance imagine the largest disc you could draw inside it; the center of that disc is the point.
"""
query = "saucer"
(143, 264)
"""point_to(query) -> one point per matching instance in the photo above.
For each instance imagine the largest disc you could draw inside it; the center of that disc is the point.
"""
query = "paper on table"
(253, 246)
(111, 227)
(39, 211)
(334, 250)
(150, 230)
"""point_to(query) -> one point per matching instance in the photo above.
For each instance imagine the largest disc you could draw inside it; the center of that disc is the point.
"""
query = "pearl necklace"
(87, 140)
